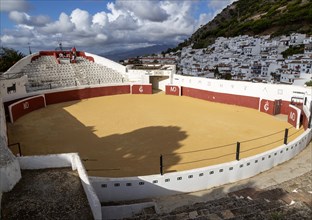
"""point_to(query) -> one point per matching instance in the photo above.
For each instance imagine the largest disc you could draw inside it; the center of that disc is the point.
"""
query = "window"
(104, 185)
(116, 184)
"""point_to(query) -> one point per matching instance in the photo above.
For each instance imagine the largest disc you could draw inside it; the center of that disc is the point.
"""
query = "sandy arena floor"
(124, 135)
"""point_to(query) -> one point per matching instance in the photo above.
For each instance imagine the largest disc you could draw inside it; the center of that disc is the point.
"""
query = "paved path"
(294, 168)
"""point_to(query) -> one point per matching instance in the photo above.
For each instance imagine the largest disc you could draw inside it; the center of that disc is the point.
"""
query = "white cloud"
(100, 19)
(81, 19)
(219, 5)
(146, 10)
(13, 5)
(124, 23)
(63, 25)
(24, 18)
(114, 13)
(204, 19)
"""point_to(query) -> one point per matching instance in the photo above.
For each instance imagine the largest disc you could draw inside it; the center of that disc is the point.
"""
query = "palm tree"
(8, 57)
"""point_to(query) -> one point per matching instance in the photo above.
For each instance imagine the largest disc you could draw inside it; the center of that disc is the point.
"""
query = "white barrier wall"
(132, 188)
(10, 172)
(261, 90)
(65, 160)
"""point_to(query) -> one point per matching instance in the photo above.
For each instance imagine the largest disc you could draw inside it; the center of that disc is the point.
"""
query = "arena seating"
(46, 73)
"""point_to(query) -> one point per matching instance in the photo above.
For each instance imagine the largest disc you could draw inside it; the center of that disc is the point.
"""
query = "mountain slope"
(125, 54)
(255, 17)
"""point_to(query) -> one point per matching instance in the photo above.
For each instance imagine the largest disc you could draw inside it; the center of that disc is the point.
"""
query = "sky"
(100, 26)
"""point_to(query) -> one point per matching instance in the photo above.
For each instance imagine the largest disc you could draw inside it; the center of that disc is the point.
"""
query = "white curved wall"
(132, 188)
(17, 67)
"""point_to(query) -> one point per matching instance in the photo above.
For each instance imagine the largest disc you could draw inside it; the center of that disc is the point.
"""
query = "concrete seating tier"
(46, 73)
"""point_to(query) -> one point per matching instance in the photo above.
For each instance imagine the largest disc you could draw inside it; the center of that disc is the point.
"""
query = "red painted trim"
(267, 106)
(294, 116)
(65, 96)
(26, 106)
(172, 90)
(285, 107)
(245, 101)
(305, 121)
(142, 89)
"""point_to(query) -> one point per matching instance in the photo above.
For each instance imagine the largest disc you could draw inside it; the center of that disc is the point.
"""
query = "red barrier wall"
(142, 89)
(293, 116)
(285, 107)
(24, 106)
(267, 106)
(64, 96)
(172, 90)
(305, 121)
(246, 101)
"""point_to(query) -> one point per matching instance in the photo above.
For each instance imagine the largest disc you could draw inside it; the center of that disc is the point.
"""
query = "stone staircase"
(248, 204)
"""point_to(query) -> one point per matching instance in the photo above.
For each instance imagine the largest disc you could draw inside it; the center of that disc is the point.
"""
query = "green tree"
(8, 57)
(309, 83)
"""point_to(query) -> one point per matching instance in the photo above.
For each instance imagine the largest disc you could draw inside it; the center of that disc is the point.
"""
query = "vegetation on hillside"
(261, 17)
(8, 57)
(293, 50)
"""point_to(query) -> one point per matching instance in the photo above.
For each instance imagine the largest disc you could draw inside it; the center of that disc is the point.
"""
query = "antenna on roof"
(60, 44)
(29, 48)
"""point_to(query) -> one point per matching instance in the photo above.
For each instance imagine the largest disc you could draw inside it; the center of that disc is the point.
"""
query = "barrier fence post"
(161, 165)
(237, 150)
(286, 136)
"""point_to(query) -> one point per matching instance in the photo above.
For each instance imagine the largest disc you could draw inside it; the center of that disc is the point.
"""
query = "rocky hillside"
(255, 17)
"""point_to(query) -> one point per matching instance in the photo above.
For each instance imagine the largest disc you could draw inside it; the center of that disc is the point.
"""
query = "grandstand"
(45, 72)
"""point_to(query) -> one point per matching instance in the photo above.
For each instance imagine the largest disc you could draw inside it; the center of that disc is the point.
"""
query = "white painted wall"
(10, 172)
(20, 88)
(137, 76)
(269, 91)
(119, 189)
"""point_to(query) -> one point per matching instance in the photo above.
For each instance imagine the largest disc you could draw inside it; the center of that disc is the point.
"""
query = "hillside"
(255, 17)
